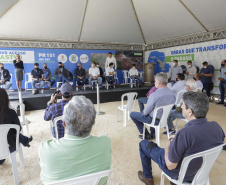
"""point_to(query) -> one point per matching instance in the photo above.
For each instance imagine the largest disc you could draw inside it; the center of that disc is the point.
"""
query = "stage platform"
(39, 101)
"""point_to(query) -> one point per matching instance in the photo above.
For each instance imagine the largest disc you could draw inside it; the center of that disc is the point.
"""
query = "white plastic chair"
(3, 86)
(4, 149)
(90, 179)
(162, 123)
(116, 78)
(125, 76)
(202, 176)
(54, 124)
(24, 121)
(131, 97)
(28, 79)
(178, 104)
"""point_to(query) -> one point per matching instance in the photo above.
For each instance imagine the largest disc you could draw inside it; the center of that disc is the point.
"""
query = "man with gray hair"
(161, 97)
(192, 139)
(77, 153)
(190, 85)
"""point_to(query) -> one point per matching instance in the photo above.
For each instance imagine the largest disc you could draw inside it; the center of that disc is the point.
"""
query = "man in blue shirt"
(193, 138)
(174, 71)
(206, 77)
(222, 79)
(37, 77)
(47, 75)
(161, 97)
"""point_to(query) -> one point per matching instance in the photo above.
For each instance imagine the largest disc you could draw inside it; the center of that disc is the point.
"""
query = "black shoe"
(224, 147)
(29, 140)
(225, 105)
(220, 103)
(147, 137)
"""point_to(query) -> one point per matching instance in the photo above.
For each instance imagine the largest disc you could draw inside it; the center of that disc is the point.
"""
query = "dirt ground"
(125, 148)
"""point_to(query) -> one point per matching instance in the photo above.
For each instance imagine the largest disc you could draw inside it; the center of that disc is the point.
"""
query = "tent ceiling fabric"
(5, 5)
(108, 21)
(43, 19)
(210, 12)
(111, 21)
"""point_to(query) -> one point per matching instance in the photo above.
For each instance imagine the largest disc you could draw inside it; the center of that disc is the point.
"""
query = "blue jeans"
(206, 86)
(42, 83)
(137, 78)
(156, 154)
(7, 85)
(141, 102)
(138, 118)
(62, 79)
(24, 140)
(81, 81)
(110, 79)
(172, 116)
(222, 87)
(99, 79)
(52, 81)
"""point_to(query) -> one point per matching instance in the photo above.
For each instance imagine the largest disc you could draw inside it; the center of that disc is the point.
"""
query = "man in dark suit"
(4, 77)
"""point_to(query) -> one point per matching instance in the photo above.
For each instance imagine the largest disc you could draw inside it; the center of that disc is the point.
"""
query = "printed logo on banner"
(73, 58)
(62, 58)
(7, 56)
(84, 58)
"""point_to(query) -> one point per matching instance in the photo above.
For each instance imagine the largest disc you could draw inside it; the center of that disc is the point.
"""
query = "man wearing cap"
(54, 110)
(37, 77)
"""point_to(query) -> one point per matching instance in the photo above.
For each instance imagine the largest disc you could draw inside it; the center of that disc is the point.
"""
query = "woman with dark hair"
(9, 116)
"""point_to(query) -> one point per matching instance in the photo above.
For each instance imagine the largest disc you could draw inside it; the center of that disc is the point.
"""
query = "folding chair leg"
(124, 117)
(157, 130)
(144, 127)
(14, 167)
(162, 179)
(21, 157)
(26, 122)
(129, 116)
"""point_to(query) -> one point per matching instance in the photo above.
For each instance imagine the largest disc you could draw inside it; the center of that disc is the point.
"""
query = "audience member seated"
(5, 77)
(61, 74)
(190, 85)
(78, 153)
(94, 74)
(206, 77)
(47, 75)
(179, 85)
(70, 75)
(101, 71)
(143, 100)
(161, 97)
(37, 77)
(133, 73)
(80, 75)
(174, 71)
(222, 84)
(110, 74)
(54, 109)
(198, 81)
(9, 116)
(193, 138)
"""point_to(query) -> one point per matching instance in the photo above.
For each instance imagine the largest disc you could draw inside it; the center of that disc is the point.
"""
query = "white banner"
(7, 56)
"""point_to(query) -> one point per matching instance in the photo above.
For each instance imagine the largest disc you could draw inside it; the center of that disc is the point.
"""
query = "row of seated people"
(67, 158)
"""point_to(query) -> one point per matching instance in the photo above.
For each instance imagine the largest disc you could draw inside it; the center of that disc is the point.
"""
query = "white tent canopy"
(109, 21)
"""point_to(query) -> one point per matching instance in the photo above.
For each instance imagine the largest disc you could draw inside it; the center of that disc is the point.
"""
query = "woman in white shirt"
(110, 74)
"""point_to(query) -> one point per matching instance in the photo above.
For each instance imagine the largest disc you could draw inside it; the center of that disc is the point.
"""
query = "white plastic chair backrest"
(55, 125)
(22, 109)
(165, 114)
(179, 97)
(131, 97)
(125, 73)
(28, 77)
(90, 179)
(4, 149)
(115, 75)
(11, 79)
(209, 158)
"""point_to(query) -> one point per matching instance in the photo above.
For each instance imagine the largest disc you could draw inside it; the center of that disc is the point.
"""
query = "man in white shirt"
(198, 81)
(110, 74)
(94, 74)
(110, 59)
(191, 71)
(174, 71)
(179, 85)
(133, 73)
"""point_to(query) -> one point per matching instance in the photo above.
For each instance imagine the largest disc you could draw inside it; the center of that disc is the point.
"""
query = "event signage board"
(213, 52)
